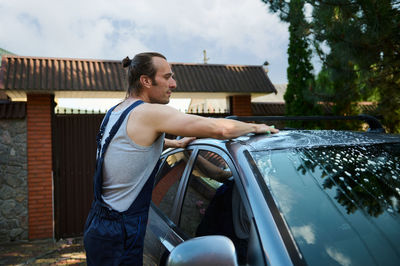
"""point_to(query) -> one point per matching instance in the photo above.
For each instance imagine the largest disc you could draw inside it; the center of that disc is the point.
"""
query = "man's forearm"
(170, 143)
(233, 128)
(181, 143)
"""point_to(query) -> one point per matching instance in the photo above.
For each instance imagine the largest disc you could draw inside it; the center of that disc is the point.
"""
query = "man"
(128, 154)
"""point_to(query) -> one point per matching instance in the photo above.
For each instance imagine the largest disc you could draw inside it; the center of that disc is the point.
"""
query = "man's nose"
(172, 84)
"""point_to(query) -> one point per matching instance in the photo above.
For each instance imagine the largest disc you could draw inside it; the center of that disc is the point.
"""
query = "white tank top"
(127, 165)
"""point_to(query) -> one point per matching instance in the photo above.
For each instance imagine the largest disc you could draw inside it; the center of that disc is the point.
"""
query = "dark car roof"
(302, 138)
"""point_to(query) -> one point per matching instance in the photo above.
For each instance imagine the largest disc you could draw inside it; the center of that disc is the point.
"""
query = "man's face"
(160, 90)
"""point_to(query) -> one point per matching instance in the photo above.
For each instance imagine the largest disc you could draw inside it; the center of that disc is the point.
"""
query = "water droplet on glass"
(341, 178)
(347, 173)
(366, 180)
(394, 177)
(348, 187)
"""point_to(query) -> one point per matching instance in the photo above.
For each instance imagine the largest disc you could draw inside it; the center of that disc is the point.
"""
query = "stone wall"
(13, 180)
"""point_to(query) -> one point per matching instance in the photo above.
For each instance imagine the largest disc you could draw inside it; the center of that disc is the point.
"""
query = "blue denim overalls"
(112, 237)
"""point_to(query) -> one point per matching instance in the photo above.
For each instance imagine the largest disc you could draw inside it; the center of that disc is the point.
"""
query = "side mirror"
(205, 250)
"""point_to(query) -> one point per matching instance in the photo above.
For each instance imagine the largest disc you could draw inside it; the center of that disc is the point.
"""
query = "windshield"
(341, 204)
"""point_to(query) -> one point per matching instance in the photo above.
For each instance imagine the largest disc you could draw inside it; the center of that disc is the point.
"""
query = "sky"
(231, 31)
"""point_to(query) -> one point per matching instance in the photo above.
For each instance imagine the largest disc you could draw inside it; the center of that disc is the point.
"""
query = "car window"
(167, 181)
(341, 203)
(212, 205)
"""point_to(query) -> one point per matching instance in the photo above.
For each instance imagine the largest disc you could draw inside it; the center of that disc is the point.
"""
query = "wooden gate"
(74, 158)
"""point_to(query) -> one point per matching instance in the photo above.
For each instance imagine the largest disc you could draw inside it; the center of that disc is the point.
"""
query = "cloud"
(232, 31)
(338, 256)
(285, 195)
(306, 232)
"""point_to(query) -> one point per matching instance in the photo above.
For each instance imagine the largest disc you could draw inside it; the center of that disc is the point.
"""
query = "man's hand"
(264, 129)
(181, 143)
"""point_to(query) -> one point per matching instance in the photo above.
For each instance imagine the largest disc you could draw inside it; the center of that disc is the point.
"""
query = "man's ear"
(146, 81)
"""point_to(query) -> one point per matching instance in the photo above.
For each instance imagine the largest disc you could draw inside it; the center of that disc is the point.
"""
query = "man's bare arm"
(150, 120)
(169, 120)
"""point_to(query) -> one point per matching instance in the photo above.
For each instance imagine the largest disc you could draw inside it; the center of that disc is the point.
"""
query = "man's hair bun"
(126, 62)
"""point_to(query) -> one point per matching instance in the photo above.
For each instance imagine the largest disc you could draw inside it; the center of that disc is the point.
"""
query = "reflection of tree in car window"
(364, 178)
(336, 197)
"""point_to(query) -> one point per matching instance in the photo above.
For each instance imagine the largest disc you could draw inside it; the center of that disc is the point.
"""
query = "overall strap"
(101, 150)
(116, 126)
(102, 129)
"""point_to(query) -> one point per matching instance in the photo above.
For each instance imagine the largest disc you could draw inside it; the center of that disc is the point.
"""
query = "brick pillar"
(40, 184)
(241, 105)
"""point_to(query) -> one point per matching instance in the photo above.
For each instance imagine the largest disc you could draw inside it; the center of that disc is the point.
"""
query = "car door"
(195, 195)
(161, 235)
(212, 204)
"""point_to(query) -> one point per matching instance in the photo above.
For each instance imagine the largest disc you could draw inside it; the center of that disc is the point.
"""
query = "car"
(315, 197)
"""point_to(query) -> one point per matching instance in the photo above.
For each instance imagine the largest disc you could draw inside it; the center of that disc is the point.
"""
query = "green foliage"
(299, 96)
(358, 42)
(363, 58)
(324, 87)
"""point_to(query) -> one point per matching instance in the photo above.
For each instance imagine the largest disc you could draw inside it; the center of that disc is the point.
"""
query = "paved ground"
(43, 252)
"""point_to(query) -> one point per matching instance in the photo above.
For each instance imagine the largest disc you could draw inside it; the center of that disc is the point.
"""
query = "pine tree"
(299, 97)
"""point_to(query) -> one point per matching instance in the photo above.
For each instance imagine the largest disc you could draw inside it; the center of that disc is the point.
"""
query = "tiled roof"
(36, 74)
(268, 109)
(58, 74)
(368, 108)
(10, 110)
(221, 78)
